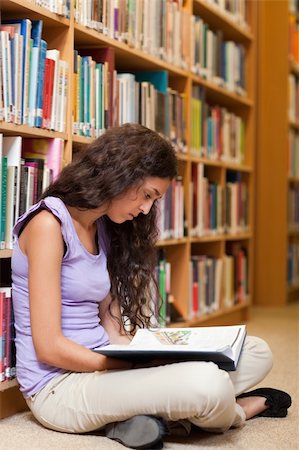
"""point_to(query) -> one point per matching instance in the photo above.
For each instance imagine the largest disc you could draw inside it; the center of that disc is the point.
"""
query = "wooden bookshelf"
(272, 183)
(67, 35)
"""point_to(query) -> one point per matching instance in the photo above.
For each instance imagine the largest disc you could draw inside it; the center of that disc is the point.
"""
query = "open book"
(221, 345)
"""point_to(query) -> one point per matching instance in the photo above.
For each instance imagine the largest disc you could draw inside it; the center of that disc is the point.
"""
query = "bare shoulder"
(43, 222)
(43, 229)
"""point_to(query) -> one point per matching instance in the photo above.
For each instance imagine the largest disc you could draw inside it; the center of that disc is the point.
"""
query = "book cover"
(221, 345)
(40, 84)
(23, 27)
(12, 150)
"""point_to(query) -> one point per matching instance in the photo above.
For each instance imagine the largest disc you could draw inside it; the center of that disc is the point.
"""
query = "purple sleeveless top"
(84, 284)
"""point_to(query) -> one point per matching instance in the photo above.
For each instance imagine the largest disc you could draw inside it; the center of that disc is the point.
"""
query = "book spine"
(3, 202)
(40, 85)
(2, 321)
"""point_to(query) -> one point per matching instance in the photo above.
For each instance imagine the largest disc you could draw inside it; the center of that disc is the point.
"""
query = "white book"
(11, 191)
(222, 345)
(30, 187)
(62, 96)
(54, 54)
(18, 76)
(218, 283)
(12, 146)
(6, 72)
(33, 85)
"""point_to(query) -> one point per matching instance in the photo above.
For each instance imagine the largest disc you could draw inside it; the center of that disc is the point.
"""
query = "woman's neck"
(86, 218)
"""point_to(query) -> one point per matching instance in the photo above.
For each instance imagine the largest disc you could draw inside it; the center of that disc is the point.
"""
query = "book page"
(202, 338)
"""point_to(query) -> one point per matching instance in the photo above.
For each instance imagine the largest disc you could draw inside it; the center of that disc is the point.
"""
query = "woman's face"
(137, 200)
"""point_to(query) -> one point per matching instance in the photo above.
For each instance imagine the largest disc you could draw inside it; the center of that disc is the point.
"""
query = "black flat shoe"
(278, 401)
(140, 432)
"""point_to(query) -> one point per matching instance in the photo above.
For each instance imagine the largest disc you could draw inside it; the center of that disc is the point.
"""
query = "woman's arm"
(113, 327)
(42, 242)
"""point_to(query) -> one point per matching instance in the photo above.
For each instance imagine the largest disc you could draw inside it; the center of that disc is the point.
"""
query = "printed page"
(202, 338)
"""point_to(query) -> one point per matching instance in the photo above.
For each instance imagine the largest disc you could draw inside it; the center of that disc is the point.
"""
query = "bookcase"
(224, 234)
(276, 250)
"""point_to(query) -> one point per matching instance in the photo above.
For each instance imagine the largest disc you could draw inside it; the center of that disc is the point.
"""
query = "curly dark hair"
(119, 159)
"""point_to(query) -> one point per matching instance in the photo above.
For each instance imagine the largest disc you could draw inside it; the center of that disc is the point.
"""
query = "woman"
(84, 252)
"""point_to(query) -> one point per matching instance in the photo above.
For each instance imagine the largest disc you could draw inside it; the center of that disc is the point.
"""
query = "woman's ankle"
(252, 406)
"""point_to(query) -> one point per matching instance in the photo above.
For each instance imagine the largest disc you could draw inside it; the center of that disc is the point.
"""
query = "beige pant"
(197, 391)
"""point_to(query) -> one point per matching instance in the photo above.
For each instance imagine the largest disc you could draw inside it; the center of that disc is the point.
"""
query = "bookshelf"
(273, 230)
(66, 34)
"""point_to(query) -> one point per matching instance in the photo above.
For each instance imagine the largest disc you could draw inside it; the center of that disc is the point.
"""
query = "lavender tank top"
(84, 284)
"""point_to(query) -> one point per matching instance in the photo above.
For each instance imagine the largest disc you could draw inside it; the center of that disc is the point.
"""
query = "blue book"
(86, 95)
(23, 27)
(33, 85)
(36, 32)
(158, 78)
(40, 84)
(36, 36)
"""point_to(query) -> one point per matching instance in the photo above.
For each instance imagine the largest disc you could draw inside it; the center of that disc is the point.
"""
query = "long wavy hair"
(119, 159)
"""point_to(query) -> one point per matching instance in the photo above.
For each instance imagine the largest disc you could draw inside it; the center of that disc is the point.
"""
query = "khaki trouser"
(197, 391)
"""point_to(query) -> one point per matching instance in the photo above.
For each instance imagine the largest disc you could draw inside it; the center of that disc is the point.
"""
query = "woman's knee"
(260, 351)
(213, 404)
(205, 389)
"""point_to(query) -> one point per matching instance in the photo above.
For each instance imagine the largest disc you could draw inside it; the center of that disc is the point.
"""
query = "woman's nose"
(146, 207)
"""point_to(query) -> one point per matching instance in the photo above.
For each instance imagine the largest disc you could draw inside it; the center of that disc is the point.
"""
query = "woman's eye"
(147, 196)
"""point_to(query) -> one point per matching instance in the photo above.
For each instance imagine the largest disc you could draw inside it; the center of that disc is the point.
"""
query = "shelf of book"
(241, 311)
(233, 25)
(221, 94)
(25, 8)
(233, 177)
(11, 129)
(128, 58)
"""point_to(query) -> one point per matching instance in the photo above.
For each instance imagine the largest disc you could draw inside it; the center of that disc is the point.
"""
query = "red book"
(195, 299)
(2, 335)
(48, 92)
(8, 339)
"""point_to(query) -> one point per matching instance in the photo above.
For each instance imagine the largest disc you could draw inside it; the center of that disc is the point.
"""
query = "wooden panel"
(11, 402)
(271, 154)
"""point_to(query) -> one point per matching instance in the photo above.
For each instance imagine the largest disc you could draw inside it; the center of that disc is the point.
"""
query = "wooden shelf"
(222, 95)
(293, 288)
(11, 129)
(293, 231)
(273, 181)
(127, 58)
(294, 124)
(293, 180)
(213, 315)
(218, 163)
(169, 242)
(24, 8)
(8, 384)
(5, 253)
(293, 66)
(221, 237)
(220, 19)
